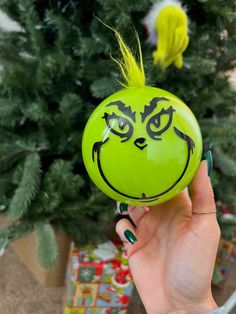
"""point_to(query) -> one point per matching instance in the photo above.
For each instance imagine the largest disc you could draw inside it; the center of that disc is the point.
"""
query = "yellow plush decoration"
(171, 27)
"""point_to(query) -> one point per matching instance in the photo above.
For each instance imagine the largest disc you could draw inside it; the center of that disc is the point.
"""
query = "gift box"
(98, 280)
(225, 259)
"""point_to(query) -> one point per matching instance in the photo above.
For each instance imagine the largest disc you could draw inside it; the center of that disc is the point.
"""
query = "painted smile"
(143, 198)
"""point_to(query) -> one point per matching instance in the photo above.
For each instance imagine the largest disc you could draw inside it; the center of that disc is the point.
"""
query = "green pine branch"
(9, 113)
(17, 230)
(226, 164)
(61, 26)
(29, 18)
(103, 87)
(6, 183)
(12, 152)
(231, 221)
(46, 245)
(28, 187)
(37, 112)
(59, 187)
(220, 130)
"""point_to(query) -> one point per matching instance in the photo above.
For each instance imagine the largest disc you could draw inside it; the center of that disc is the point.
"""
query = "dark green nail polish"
(130, 236)
(123, 207)
(209, 160)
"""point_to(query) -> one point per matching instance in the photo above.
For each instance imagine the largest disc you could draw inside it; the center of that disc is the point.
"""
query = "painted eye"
(119, 126)
(159, 123)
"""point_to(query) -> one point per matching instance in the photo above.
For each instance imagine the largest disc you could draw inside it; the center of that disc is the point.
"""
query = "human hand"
(174, 249)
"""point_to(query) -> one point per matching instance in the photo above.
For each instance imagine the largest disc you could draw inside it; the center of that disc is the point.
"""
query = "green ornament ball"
(142, 146)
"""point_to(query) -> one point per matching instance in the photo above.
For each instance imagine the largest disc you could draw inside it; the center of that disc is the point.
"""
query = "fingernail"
(209, 160)
(123, 207)
(130, 236)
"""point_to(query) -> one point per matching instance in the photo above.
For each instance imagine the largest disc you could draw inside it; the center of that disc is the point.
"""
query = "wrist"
(199, 308)
(189, 307)
(184, 307)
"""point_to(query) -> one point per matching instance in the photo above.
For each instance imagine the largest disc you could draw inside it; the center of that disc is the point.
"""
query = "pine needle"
(226, 164)
(28, 187)
(46, 245)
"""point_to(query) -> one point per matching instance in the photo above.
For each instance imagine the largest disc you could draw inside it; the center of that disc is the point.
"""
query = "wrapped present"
(225, 259)
(98, 280)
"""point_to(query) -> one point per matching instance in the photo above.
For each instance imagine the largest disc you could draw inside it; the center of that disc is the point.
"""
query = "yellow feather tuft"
(132, 73)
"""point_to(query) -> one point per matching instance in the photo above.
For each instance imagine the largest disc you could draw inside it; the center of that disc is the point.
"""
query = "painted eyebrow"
(123, 108)
(148, 109)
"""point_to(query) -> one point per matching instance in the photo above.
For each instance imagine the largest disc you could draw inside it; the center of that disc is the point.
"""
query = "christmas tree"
(56, 68)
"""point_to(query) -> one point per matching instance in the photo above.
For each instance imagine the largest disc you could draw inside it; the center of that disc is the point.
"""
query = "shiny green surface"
(130, 236)
(209, 160)
(142, 161)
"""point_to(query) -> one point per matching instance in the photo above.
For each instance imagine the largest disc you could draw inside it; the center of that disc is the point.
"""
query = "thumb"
(204, 219)
(202, 192)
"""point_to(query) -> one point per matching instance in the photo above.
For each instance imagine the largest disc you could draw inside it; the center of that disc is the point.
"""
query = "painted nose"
(140, 142)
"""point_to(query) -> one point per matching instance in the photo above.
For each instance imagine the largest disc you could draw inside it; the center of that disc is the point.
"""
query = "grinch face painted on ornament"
(142, 145)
